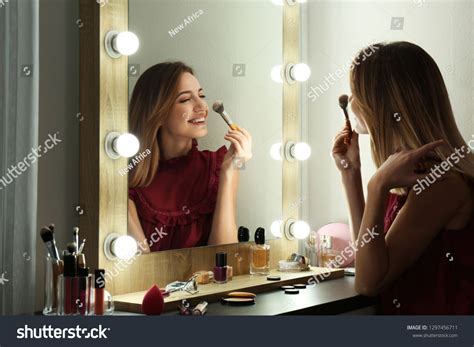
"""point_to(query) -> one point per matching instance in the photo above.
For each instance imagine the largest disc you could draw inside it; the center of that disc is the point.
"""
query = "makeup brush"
(47, 235)
(71, 248)
(75, 234)
(343, 102)
(81, 247)
(218, 107)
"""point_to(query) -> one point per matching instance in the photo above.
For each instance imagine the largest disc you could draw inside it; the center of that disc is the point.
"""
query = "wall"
(335, 32)
(58, 177)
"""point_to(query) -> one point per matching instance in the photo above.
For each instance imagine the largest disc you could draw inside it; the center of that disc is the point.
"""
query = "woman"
(415, 230)
(180, 196)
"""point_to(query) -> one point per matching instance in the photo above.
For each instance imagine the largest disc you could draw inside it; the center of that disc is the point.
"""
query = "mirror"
(185, 188)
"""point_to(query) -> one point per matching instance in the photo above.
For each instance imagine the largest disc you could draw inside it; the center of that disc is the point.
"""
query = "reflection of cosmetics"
(70, 284)
(72, 248)
(99, 286)
(343, 102)
(81, 261)
(81, 247)
(200, 309)
(218, 107)
(260, 254)
(243, 235)
(220, 270)
(47, 235)
(230, 273)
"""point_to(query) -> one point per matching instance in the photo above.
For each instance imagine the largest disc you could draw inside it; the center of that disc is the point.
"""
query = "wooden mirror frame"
(104, 192)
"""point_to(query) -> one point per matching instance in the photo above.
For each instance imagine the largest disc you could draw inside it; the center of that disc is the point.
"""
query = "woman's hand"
(240, 149)
(346, 156)
(400, 169)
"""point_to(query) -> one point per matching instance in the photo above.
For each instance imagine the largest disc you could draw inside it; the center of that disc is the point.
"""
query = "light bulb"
(300, 229)
(126, 145)
(278, 2)
(275, 228)
(275, 74)
(275, 151)
(301, 151)
(124, 247)
(300, 72)
(126, 43)
(301, 1)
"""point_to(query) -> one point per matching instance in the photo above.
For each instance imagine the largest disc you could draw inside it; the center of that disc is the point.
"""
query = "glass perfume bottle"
(260, 254)
(327, 255)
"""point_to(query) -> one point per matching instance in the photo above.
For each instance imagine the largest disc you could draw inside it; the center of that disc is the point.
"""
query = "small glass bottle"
(327, 255)
(220, 270)
(260, 254)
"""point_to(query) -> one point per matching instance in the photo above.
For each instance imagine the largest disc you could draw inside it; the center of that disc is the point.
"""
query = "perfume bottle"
(259, 254)
(327, 255)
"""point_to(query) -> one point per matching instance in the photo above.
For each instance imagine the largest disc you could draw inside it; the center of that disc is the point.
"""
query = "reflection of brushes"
(47, 235)
(75, 234)
(81, 247)
(343, 102)
(218, 107)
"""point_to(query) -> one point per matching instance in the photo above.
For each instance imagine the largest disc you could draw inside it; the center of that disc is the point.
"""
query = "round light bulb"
(300, 229)
(301, 151)
(301, 1)
(278, 2)
(124, 247)
(126, 43)
(275, 74)
(300, 72)
(275, 151)
(126, 145)
(275, 228)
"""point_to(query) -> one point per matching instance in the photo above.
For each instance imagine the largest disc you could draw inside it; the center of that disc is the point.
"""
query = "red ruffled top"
(441, 282)
(176, 209)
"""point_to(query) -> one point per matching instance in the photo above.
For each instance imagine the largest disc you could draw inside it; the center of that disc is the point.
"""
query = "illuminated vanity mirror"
(195, 181)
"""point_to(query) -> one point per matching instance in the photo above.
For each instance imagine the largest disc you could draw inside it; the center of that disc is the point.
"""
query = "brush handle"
(347, 139)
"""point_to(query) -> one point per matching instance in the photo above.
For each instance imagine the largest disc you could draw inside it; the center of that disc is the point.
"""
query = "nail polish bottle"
(260, 254)
(220, 270)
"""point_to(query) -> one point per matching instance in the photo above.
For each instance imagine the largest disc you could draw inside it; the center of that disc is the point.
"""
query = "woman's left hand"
(399, 170)
(240, 149)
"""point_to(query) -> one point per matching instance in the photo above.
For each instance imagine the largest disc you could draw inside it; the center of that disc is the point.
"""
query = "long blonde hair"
(152, 100)
(404, 102)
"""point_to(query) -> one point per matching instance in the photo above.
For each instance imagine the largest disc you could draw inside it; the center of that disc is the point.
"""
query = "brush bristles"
(46, 234)
(343, 101)
(218, 106)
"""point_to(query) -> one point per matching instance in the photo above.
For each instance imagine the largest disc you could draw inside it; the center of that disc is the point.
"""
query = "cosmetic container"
(99, 288)
(53, 268)
(68, 287)
(85, 291)
(327, 255)
(243, 234)
(260, 254)
(220, 270)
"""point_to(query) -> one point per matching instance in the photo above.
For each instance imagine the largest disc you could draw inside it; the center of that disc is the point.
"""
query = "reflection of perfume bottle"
(259, 254)
(327, 255)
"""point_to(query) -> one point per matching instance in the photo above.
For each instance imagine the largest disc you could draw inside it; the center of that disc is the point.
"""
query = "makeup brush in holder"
(343, 102)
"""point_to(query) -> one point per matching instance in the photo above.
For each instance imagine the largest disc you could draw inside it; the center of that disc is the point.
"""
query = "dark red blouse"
(176, 209)
(441, 282)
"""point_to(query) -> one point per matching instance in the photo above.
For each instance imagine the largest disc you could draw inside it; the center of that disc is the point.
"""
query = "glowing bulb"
(300, 72)
(300, 229)
(126, 145)
(278, 2)
(275, 151)
(301, 151)
(275, 228)
(275, 74)
(124, 247)
(126, 43)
